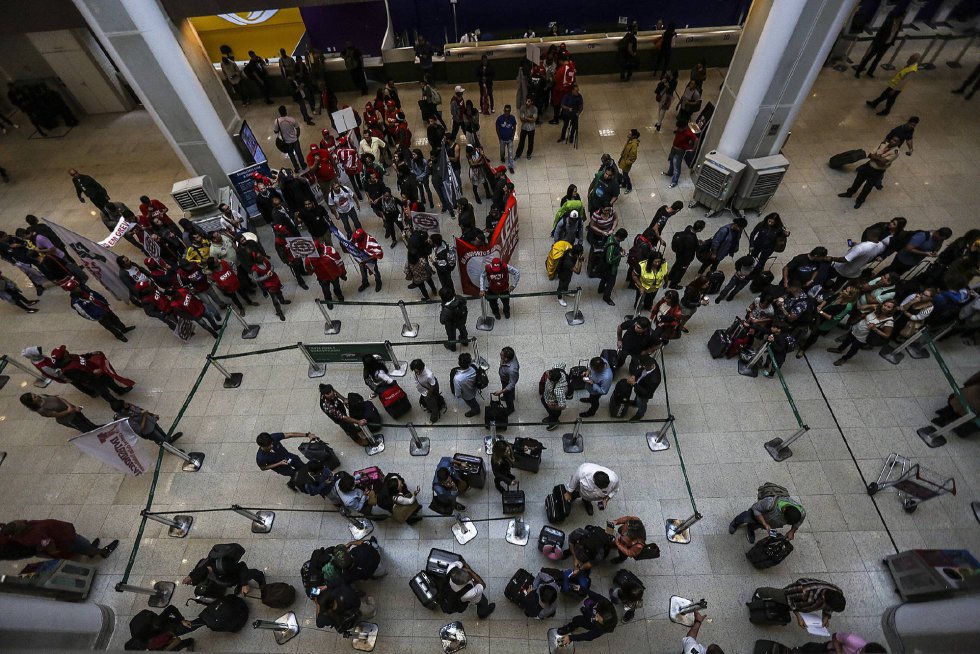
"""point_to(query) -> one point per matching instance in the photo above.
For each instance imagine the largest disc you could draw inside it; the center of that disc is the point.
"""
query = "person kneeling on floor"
(598, 618)
(771, 512)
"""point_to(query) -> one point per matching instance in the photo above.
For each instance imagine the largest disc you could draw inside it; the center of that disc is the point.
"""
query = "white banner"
(120, 230)
(426, 222)
(98, 262)
(117, 445)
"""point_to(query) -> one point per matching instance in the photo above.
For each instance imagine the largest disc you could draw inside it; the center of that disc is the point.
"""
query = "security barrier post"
(376, 442)
(485, 322)
(955, 63)
(750, 368)
(284, 628)
(261, 520)
(678, 531)
(575, 317)
(657, 440)
(398, 369)
(418, 446)
(890, 64)
(779, 449)
(232, 379)
(248, 331)
(360, 528)
(329, 326)
(464, 530)
(159, 595)
(409, 330)
(180, 525)
(364, 636)
(896, 354)
(573, 443)
(192, 460)
(518, 532)
(39, 381)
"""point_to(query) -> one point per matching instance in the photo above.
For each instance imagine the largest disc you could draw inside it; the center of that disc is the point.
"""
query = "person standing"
(974, 78)
(529, 121)
(64, 412)
(664, 95)
(233, 75)
(287, 129)
(367, 261)
(457, 108)
(344, 205)
(424, 52)
(485, 76)
(329, 269)
(569, 264)
(627, 158)
(592, 483)
(272, 455)
(467, 586)
(648, 277)
(509, 373)
(870, 173)
(499, 279)
(572, 106)
(685, 140)
(506, 128)
(462, 381)
(93, 306)
(287, 65)
(555, 396)
(444, 259)
(665, 46)
(689, 103)
(354, 63)
(143, 423)
(10, 292)
(85, 184)
(256, 71)
(659, 222)
(896, 85)
(878, 322)
(921, 244)
(612, 255)
(263, 274)
(645, 383)
(598, 382)
(684, 245)
(453, 315)
(905, 133)
(627, 53)
(883, 39)
(428, 388)
(724, 243)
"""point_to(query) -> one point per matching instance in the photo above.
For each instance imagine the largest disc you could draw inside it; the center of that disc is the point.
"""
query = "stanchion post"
(329, 326)
(890, 64)
(159, 595)
(490, 438)
(464, 530)
(192, 460)
(39, 381)
(417, 446)
(232, 379)
(364, 636)
(779, 449)
(895, 355)
(376, 442)
(261, 520)
(485, 322)
(248, 331)
(409, 330)
(657, 440)
(180, 525)
(679, 531)
(573, 443)
(750, 368)
(518, 532)
(575, 317)
(928, 65)
(398, 369)
(955, 63)
(284, 628)
(360, 528)
(937, 437)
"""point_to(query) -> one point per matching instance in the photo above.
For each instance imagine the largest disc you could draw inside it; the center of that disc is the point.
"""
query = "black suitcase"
(513, 502)
(550, 536)
(765, 611)
(611, 357)
(769, 551)
(527, 454)
(439, 561)
(556, 506)
(842, 159)
(519, 586)
(761, 280)
(495, 411)
(771, 647)
(715, 281)
(619, 402)
(576, 377)
(228, 614)
(721, 340)
(471, 469)
(317, 450)
(424, 589)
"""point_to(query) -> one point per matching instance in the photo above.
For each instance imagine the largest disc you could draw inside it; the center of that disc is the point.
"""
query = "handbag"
(280, 143)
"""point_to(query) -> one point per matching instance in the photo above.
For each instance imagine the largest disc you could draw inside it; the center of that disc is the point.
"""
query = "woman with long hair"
(874, 328)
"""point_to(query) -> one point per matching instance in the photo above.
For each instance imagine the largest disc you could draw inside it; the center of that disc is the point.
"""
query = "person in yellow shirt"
(895, 86)
(627, 158)
(648, 277)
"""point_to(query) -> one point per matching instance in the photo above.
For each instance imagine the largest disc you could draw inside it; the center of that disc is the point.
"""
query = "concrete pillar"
(784, 45)
(182, 94)
(33, 623)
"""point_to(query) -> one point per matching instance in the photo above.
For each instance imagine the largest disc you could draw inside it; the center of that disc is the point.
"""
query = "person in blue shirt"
(272, 455)
(571, 108)
(93, 306)
(922, 244)
(598, 381)
(446, 488)
(506, 128)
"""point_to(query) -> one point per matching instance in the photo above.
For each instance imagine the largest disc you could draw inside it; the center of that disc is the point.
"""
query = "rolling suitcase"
(771, 647)
(527, 454)
(715, 281)
(471, 469)
(496, 412)
(424, 589)
(842, 159)
(519, 586)
(394, 400)
(437, 565)
(551, 541)
(721, 340)
(556, 506)
(369, 478)
(513, 502)
(317, 450)
(765, 610)
(620, 400)
(768, 552)
(611, 357)
(576, 377)
(228, 614)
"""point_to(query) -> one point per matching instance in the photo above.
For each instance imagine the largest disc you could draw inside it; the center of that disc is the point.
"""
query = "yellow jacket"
(901, 78)
(650, 280)
(199, 254)
(628, 156)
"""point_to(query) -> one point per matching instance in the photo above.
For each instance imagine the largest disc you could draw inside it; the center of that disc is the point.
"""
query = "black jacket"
(649, 384)
(684, 244)
(85, 184)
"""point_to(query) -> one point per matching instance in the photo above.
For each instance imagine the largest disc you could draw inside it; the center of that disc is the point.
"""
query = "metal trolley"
(914, 483)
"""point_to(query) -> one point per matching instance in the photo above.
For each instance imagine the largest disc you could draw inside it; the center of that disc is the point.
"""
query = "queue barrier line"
(677, 444)
(156, 470)
(778, 448)
(936, 436)
(299, 510)
(468, 298)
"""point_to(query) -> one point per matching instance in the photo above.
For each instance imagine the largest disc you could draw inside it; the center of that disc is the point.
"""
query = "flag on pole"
(450, 180)
(96, 260)
(117, 445)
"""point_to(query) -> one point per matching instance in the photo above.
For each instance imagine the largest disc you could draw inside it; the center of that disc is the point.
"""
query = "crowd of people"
(892, 281)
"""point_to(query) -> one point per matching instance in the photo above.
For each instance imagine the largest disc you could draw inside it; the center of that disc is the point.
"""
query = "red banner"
(503, 243)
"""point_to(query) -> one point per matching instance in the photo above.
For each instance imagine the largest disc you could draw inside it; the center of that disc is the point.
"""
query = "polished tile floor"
(858, 414)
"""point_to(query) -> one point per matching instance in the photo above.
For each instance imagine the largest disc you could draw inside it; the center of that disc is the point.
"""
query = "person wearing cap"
(187, 305)
(456, 109)
(506, 125)
(627, 158)
(499, 280)
(272, 455)
(466, 587)
(685, 140)
(329, 269)
(93, 370)
(368, 255)
(645, 383)
(50, 370)
(226, 280)
(93, 306)
(263, 273)
(64, 412)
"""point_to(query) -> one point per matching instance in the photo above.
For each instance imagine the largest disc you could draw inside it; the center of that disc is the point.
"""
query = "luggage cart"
(914, 483)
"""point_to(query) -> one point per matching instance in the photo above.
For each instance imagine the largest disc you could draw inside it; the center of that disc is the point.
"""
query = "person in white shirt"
(428, 387)
(287, 129)
(690, 644)
(849, 266)
(469, 587)
(592, 483)
(344, 205)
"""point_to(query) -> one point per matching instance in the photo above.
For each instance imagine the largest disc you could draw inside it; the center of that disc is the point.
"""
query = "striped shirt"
(806, 595)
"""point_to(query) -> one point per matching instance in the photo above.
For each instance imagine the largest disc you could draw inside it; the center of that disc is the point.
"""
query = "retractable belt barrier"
(39, 381)
(778, 448)
(945, 424)
(678, 530)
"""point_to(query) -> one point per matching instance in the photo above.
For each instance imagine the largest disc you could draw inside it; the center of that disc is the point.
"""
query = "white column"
(145, 45)
(766, 59)
(34, 623)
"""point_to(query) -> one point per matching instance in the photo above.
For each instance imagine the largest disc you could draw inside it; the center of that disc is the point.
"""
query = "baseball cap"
(458, 89)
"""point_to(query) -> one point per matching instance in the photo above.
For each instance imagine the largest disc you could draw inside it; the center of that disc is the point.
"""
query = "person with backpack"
(568, 228)
(744, 267)
(598, 382)
(598, 618)
(610, 256)
(272, 455)
(452, 315)
(554, 396)
(443, 259)
(223, 568)
(723, 244)
(684, 244)
(465, 381)
(774, 509)
(541, 602)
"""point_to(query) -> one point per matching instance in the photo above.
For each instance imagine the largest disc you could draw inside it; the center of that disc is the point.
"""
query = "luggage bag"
(527, 454)
(519, 586)
(394, 400)
(424, 589)
(844, 158)
(769, 551)
(471, 469)
(556, 506)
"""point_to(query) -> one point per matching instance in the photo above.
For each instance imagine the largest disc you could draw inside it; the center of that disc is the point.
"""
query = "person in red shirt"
(188, 306)
(318, 159)
(403, 135)
(348, 158)
(191, 276)
(53, 538)
(155, 304)
(564, 81)
(372, 121)
(685, 140)
(329, 270)
(370, 253)
(224, 277)
(286, 255)
(153, 209)
(264, 274)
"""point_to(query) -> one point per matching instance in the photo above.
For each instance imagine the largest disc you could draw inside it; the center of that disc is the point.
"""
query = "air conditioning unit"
(196, 193)
(760, 181)
(716, 181)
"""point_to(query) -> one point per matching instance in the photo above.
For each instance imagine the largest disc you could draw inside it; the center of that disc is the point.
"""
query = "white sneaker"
(562, 302)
